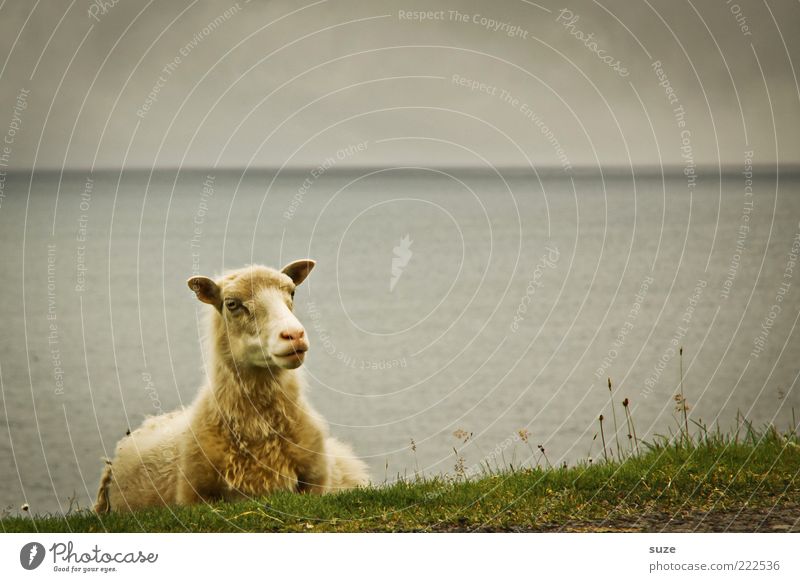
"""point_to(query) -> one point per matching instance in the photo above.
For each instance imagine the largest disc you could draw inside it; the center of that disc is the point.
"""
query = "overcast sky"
(198, 83)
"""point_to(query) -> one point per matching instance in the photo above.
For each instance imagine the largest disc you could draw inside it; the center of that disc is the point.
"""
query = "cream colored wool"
(250, 431)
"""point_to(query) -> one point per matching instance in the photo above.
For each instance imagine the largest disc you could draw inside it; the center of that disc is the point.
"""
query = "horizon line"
(583, 169)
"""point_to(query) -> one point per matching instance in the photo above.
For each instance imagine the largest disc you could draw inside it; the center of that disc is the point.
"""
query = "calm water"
(513, 301)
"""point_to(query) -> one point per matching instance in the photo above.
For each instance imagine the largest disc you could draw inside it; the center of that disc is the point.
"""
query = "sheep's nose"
(293, 334)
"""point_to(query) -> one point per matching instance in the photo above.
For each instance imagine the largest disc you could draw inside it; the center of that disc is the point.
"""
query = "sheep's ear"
(206, 290)
(298, 270)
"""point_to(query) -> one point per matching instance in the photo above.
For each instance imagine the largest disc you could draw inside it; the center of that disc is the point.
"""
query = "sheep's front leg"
(314, 475)
(197, 480)
(186, 493)
(310, 483)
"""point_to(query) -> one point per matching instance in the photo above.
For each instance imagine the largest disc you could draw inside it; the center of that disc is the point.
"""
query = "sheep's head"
(255, 306)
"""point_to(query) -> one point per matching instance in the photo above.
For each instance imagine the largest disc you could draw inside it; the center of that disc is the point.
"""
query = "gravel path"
(781, 518)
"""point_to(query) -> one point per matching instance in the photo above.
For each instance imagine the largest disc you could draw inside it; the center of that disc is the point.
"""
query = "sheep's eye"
(232, 304)
(292, 294)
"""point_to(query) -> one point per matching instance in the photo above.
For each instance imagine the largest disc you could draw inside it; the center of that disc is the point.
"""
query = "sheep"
(250, 431)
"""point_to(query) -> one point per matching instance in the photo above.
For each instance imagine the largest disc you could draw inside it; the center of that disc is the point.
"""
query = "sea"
(461, 320)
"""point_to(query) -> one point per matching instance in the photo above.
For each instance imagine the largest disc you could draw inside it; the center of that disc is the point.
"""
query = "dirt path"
(781, 518)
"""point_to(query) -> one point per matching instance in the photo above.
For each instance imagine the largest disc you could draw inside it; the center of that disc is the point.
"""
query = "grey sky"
(273, 83)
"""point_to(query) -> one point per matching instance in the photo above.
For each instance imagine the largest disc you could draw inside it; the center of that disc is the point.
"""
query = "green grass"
(713, 472)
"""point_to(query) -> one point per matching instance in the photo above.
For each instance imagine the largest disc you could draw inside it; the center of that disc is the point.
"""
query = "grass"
(673, 475)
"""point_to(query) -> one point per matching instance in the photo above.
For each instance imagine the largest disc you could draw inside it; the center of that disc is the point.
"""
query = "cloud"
(245, 83)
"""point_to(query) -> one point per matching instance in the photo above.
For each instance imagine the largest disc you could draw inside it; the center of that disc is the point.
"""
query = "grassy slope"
(713, 475)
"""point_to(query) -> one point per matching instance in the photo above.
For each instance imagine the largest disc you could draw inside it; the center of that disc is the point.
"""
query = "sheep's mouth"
(293, 353)
(290, 359)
